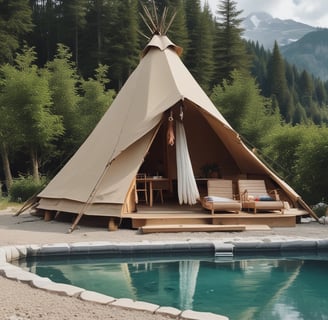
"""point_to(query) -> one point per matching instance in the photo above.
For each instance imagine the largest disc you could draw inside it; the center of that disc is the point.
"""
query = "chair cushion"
(260, 198)
(217, 199)
(265, 198)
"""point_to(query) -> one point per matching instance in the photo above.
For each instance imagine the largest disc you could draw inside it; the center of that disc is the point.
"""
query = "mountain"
(262, 27)
(301, 45)
(309, 53)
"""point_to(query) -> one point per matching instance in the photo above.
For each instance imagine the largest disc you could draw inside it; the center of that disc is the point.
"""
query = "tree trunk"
(35, 165)
(76, 43)
(6, 165)
(99, 48)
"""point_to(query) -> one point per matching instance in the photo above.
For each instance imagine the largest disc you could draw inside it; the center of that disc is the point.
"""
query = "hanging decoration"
(170, 130)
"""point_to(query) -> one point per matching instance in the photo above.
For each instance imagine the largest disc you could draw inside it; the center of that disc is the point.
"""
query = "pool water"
(240, 288)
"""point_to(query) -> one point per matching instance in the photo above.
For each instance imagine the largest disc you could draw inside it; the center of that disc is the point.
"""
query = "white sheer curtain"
(187, 187)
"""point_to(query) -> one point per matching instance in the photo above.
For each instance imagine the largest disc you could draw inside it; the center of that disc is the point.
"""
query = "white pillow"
(217, 199)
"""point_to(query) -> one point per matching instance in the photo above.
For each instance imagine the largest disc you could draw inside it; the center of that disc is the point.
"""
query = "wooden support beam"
(113, 224)
(49, 215)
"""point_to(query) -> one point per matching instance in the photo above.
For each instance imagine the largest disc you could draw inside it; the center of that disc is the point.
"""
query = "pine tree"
(74, 12)
(305, 89)
(259, 64)
(15, 22)
(44, 37)
(193, 15)
(321, 93)
(277, 80)
(300, 116)
(94, 40)
(199, 56)
(122, 41)
(205, 55)
(230, 49)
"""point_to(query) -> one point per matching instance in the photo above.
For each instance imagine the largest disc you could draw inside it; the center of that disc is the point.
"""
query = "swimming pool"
(284, 286)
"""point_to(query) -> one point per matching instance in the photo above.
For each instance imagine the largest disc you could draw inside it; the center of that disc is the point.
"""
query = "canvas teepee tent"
(99, 179)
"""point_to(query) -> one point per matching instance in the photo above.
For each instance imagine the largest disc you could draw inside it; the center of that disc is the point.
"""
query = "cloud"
(312, 12)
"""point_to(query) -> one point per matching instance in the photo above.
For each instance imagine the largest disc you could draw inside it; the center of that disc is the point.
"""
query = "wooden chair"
(220, 196)
(158, 191)
(254, 195)
(158, 186)
(141, 187)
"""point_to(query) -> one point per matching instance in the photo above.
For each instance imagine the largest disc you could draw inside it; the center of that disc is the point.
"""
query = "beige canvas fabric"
(103, 169)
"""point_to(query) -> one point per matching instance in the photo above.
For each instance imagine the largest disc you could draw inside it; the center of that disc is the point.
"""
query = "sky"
(311, 12)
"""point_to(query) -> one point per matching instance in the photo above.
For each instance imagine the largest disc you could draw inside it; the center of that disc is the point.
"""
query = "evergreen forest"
(63, 61)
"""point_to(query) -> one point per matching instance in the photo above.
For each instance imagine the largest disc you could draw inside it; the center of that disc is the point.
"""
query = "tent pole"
(79, 216)
(88, 202)
(30, 203)
(310, 211)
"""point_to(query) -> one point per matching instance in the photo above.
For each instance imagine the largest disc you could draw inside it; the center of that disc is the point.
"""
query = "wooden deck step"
(257, 227)
(191, 228)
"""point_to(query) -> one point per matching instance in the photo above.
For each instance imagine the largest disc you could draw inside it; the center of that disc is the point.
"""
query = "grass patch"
(5, 203)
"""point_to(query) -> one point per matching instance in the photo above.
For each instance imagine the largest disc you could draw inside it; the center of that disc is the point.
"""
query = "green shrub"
(24, 188)
(320, 209)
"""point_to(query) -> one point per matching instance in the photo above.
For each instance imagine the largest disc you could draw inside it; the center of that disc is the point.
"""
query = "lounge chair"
(220, 197)
(255, 196)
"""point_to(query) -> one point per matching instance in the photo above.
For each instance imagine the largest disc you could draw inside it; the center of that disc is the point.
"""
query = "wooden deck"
(177, 216)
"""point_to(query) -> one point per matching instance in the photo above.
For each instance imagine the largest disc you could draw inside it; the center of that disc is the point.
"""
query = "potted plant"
(210, 170)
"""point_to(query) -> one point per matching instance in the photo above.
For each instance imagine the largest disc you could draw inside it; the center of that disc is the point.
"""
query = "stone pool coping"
(9, 254)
